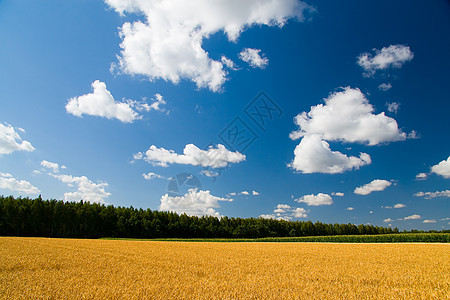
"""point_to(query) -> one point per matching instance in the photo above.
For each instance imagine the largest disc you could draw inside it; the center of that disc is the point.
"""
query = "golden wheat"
(74, 268)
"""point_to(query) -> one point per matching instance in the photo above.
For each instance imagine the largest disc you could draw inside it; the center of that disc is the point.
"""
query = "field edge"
(378, 238)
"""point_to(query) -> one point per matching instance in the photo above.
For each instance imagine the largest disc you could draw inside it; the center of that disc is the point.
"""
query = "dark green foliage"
(377, 238)
(52, 218)
(440, 237)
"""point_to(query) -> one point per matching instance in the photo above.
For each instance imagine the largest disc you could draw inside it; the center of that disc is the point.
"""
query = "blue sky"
(277, 109)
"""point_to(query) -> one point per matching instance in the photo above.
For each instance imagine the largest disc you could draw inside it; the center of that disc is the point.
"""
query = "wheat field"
(43, 268)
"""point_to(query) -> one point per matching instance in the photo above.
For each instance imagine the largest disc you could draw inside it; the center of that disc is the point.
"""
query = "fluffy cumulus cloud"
(50, 165)
(253, 58)
(313, 155)
(431, 195)
(376, 185)
(268, 216)
(282, 208)
(316, 200)
(421, 176)
(245, 193)
(442, 168)
(429, 221)
(412, 217)
(86, 190)
(339, 194)
(213, 157)
(286, 212)
(299, 212)
(393, 56)
(194, 203)
(151, 175)
(11, 141)
(8, 182)
(102, 104)
(167, 43)
(348, 116)
(398, 205)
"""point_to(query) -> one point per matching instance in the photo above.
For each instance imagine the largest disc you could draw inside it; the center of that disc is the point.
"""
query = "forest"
(53, 218)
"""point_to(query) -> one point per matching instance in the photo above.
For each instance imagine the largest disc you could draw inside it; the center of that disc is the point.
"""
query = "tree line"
(53, 218)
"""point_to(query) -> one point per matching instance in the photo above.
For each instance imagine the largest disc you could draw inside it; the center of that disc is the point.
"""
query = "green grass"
(378, 238)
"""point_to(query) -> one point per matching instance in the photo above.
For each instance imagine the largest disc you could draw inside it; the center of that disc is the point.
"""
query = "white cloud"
(339, 194)
(286, 212)
(316, 200)
(157, 104)
(194, 202)
(229, 63)
(300, 212)
(212, 157)
(209, 173)
(387, 220)
(421, 176)
(413, 135)
(253, 58)
(102, 104)
(431, 195)
(151, 175)
(393, 56)
(168, 43)
(245, 193)
(283, 206)
(376, 185)
(393, 107)
(314, 155)
(284, 217)
(398, 205)
(86, 189)
(385, 86)
(347, 116)
(442, 168)
(267, 216)
(428, 221)
(11, 141)
(412, 217)
(49, 165)
(350, 208)
(8, 182)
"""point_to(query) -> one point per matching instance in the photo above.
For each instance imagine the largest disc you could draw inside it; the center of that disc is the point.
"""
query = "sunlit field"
(74, 268)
